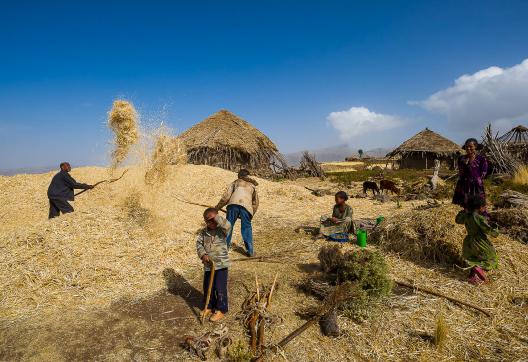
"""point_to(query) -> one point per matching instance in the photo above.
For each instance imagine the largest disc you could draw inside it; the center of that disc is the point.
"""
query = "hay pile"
(123, 121)
(429, 235)
(513, 222)
(167, 151)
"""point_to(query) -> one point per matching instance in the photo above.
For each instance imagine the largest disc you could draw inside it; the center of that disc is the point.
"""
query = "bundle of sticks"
(256, 314)
(310, 166)
(499, 156)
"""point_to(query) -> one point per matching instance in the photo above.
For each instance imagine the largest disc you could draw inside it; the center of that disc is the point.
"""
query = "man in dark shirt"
(60, 191)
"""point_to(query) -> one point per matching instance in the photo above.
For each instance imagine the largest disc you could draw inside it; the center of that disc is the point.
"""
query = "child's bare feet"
(205, 313)
(218, 316)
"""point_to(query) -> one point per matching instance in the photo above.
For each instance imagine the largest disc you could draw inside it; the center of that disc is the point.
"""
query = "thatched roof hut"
(227, 141)
(422, 149)
(516, 142)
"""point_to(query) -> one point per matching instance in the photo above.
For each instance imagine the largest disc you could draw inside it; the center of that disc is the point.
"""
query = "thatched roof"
(427, 141)
(517, 136)
(226, 140)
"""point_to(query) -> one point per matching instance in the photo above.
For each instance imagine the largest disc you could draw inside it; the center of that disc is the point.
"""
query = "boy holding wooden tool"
(211, 247)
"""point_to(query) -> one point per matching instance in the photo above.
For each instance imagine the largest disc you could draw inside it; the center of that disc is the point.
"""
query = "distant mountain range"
(337, 153)
(16, 171)
(327, 154)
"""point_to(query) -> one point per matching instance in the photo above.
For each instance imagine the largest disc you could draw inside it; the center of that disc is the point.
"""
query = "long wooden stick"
(298, 331)
(271, 290)
(197, 204)
(253, 331)
(260, 334)
(100, 182)
(208, 297)
(454, 300)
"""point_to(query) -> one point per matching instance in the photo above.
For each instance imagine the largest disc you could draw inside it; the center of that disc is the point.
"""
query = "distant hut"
(227, 141)
(422, 149)
(516, 142)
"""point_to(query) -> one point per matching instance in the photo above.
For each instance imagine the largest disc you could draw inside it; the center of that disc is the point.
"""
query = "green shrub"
(239, 352)
(366, 270)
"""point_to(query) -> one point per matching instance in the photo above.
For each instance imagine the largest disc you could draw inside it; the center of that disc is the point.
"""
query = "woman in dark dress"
(472, 169)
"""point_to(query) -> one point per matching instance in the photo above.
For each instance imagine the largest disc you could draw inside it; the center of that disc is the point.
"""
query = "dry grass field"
(119, 279)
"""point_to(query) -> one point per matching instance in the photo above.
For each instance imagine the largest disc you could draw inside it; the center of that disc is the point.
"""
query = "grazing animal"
(370, 185)
(390, 186)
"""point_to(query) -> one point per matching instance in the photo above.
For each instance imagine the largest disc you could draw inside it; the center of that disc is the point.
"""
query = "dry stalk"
(454, 300)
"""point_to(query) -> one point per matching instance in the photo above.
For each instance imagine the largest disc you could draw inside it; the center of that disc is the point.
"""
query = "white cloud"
(494, 95)
(360, 120)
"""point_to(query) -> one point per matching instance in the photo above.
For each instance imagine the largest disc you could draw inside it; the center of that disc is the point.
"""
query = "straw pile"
(429, 235)
(123, 121)
(58, 277)
(513, 222)
(167, 151)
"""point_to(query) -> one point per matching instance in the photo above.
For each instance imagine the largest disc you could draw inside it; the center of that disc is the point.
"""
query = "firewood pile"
(309, 166)
(498, 155)
(256, 315)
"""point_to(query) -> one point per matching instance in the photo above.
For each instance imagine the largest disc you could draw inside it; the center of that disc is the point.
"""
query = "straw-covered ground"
(119, 278)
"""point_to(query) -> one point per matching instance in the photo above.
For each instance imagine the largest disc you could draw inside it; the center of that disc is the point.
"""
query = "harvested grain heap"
(427, 235)
(167, 151)
(122, 119)
(423, 148)
(227, 141)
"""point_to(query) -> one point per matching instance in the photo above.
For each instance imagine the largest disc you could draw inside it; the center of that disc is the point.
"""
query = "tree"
(360, 153)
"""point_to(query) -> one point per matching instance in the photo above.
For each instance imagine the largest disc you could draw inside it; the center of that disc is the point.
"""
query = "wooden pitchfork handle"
(100, 182)
(210, 287)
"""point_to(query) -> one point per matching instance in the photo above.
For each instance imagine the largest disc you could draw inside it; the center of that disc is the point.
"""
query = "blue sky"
(308, 74)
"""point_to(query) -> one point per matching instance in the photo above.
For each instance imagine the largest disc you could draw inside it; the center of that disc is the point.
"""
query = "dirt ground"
(96, 285)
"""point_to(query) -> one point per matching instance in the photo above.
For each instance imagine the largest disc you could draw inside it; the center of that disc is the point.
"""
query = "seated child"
(211, 247)
(341, 219)
(477, 250)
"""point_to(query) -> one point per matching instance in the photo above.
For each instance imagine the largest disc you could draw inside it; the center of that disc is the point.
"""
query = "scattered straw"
(135, 210)
(167, 151)
(122, 119)
(56, 272)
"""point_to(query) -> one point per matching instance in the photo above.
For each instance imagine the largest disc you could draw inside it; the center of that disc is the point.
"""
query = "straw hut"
(227, 141)
(516, 142)
(422, 149)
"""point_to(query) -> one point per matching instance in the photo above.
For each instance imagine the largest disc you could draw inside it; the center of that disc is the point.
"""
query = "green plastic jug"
(362, 238)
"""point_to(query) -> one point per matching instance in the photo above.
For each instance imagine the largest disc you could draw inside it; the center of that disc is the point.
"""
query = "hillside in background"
(337, 153)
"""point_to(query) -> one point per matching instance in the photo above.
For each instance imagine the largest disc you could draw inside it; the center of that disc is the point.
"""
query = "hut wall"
(425, 160)
(227, 158)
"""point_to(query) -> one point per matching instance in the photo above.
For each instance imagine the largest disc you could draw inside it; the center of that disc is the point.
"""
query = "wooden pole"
(197, 204)
(454, 300)
(100, 182)
(298, 331)
(208, 297)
